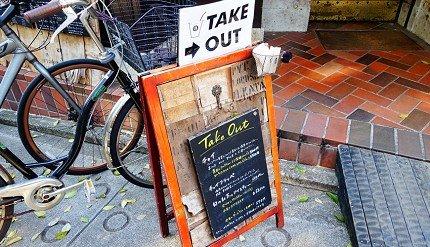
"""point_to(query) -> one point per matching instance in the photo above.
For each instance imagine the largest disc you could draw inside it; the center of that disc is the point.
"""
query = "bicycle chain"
(14, 215)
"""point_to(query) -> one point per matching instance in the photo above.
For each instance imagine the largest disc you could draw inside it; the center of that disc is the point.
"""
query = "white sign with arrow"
(215, 29)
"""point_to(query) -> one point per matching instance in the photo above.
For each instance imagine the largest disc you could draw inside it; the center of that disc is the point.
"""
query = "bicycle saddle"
(7, 13)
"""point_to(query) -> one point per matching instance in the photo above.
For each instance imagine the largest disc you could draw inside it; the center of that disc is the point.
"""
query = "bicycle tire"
(24, 113)
(5, 211)
(116, 154)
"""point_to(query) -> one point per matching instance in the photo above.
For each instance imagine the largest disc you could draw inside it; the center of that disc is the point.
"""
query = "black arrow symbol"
(192, 50)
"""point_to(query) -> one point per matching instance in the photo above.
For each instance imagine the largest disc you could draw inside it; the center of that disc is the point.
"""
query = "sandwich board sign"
(215, 29)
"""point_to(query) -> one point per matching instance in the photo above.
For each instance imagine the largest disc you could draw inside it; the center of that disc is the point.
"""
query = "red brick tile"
(363, 94)
(279, 101)
(293, 125)
(314, 128)
(345, 55)
(321, 109)
(410, 59)
(309, 154)
(288, 149)
(384, 122)
(363, 85)
(380, 111)
(287, 79)
(317, 51)
(423, 106)
(404, 74)
(278, 41)
(426, 80)
(336, 132)
(348, 104)
(314, 43)
(358, 53)
(329, 68)
(280, 113)
(392, 91)
(286, 67)
(375, 68)
(400, 53)
(334, 79)
(404, 104)
(420, 69)
(305, 63)
(309, 73)
(341, 90)
(350, 64)
(311, 84)
(357, 74)
(386, 55)
(328, 157)
(290, 91)
(276, 88)
(427, 132)
(419, 95)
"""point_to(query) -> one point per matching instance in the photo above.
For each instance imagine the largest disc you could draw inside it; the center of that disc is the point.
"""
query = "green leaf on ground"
(122, 191)
(81, 178)
(35, 236)
(116, 173)
(108, 207)
(60, 235)
(13, 175)
(40, 214)
(56, 123)
(66, 227)
(71, 140)
(12, 238)
(98, 178)
(349, 245)
(46, 172)
(71, 194)
(85, 219)
(333, 197)
(101, 196)
(68, 209)
(299, 169)
(141, 217)
(241, 238)
(303, 198)
(340, 217)
(125, 202)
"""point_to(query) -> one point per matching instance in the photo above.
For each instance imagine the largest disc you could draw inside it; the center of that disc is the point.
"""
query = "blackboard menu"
(231, 168)
(51, 23)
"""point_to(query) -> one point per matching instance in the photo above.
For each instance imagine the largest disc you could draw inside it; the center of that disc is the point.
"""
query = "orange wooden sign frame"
(150, 96)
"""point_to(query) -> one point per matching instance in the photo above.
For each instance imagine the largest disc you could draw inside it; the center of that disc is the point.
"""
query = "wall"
(280, 15)
(419, 21)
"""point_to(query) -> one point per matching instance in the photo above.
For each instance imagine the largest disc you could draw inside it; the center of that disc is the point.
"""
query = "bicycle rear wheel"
(47, 124)
(6, 211)
(125, 143)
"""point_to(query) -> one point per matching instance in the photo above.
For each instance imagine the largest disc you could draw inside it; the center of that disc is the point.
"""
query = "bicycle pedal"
(90, 190)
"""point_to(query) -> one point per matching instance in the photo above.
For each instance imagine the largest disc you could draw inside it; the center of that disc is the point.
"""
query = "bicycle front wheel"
(125, 143)
(47, 122)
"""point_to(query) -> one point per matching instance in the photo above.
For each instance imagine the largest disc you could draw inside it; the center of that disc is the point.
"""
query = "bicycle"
(55, 95)
(41, 192)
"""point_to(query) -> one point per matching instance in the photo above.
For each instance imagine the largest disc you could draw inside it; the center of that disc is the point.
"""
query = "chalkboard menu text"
(231, 168)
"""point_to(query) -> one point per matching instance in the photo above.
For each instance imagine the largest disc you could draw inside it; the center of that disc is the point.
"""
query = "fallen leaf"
(71, 140)
(46, 172)
(98, 178)
(303, 198)
(333, 197)
(299, 169)
(89, 205)
(425, 62)
(40, 214)
(85, 219)
(35, 135)
(403, 116)
(14, 219)
(60, 235)
(340, 217)
(116, 173)
(54, 221)
(56, 123)
(81, 178)
(122, 191)
(10, 241)
(71, 194)
(349, 245)
(108, 207)
(141, 217)
(68, 209)
(35, 236)
(13, 175)
(125, 202)
(241, 238)
(101, 196)
(319, 201)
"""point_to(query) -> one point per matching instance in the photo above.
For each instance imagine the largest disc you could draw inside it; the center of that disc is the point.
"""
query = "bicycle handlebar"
(41, 12)
(49, 9)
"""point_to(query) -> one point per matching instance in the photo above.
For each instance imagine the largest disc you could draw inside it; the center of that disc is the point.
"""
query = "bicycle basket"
(151, 40)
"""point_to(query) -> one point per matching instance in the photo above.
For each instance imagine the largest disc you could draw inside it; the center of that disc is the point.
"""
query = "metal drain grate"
(385, 198)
